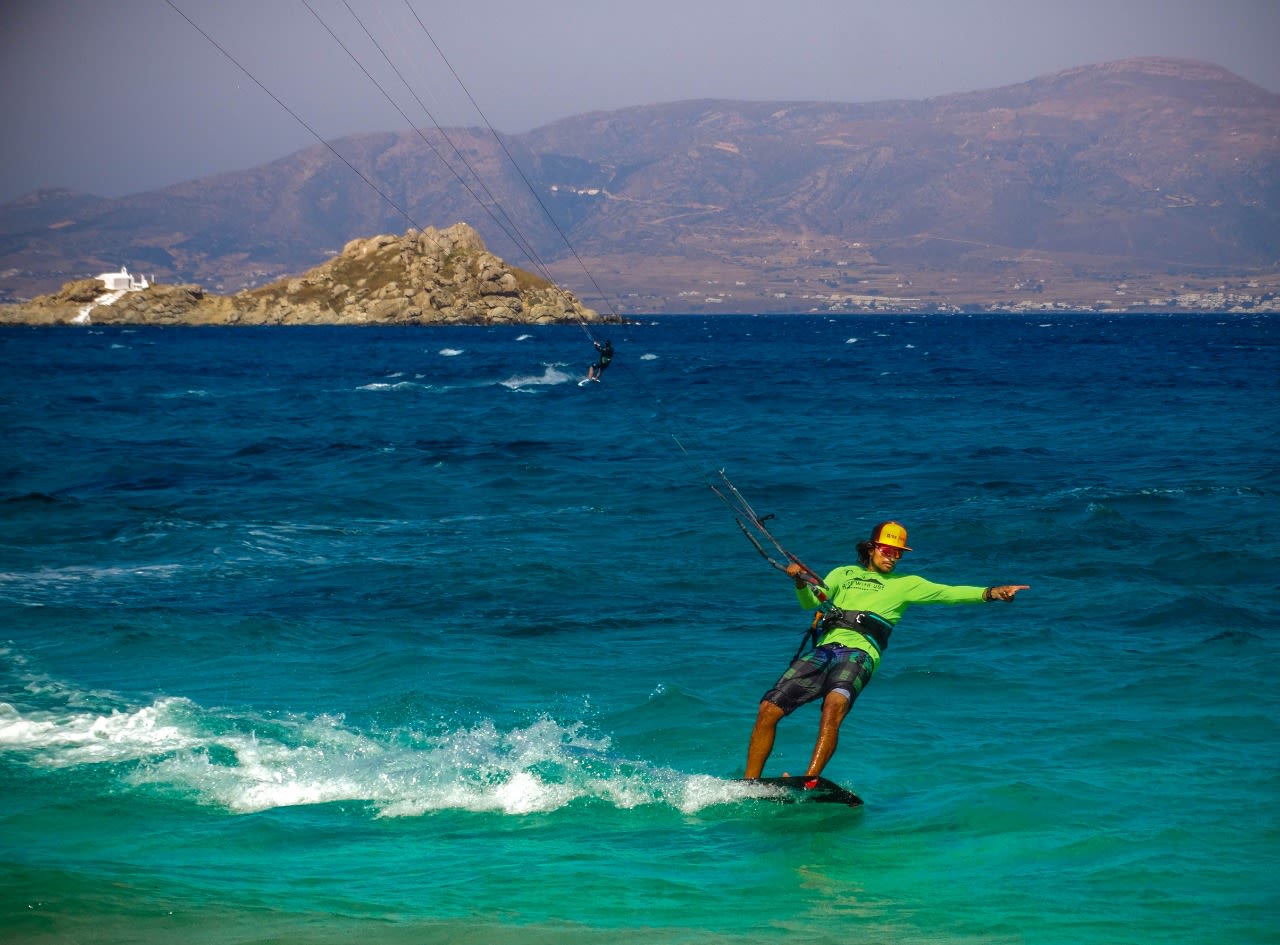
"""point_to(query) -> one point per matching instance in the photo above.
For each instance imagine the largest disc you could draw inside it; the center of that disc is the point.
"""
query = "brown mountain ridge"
(1145, 183)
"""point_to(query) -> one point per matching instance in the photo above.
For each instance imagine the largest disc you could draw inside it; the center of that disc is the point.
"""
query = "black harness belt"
(871, 625)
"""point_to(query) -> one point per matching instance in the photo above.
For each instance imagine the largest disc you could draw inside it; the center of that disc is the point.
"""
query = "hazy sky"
(118, 96)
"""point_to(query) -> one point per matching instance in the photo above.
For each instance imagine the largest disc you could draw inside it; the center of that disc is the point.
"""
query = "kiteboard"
(587, 380)
(799, 789)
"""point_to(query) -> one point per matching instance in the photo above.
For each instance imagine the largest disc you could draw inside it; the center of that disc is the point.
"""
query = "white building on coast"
(117, 285)
(122, 282)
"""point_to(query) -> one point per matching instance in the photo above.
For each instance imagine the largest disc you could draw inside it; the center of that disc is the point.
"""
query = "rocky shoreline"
(424, 277)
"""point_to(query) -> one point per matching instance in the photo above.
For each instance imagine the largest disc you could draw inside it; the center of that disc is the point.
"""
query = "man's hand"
(1006, 592)
(797, 573)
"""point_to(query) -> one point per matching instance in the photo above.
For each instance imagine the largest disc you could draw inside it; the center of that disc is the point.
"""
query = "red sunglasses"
(889, 551)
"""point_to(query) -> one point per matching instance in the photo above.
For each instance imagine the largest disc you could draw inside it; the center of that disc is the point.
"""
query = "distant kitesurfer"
(606, 355)
(867, 601)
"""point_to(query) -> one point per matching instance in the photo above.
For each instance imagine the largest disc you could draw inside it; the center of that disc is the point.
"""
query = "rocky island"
(424, 277)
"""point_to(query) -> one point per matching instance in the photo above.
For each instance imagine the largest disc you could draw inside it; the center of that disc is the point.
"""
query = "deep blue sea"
(314, 635)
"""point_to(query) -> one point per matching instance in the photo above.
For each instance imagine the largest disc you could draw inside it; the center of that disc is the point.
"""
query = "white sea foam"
(450, 352)
(552, 375)
(79, 575)
(251, 762)
(398, 385)
(65, 739)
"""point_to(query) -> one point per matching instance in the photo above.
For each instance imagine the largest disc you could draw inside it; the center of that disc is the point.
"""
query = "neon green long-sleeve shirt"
(853, 587)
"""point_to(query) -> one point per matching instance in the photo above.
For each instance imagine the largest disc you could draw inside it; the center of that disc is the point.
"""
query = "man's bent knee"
(769, 712)
(836, 704)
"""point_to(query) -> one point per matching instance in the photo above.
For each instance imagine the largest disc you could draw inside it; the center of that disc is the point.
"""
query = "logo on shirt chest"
(863, 584)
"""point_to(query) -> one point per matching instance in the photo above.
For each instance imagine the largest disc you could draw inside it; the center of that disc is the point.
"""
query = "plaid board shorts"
(826, 669)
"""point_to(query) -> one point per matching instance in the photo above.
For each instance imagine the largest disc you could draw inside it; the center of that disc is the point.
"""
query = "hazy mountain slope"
(1160, 174)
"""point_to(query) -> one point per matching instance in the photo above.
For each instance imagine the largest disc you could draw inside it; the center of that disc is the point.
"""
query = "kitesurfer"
(606, 355)
(862, 604)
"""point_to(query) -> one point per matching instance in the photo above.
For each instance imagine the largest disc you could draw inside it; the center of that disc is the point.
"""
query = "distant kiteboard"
(587, 380)
(802, 790)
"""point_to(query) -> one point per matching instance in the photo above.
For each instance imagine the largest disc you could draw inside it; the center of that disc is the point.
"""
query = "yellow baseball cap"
(891, 534)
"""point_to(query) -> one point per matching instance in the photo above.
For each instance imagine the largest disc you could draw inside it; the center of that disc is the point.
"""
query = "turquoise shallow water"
(317, 634)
